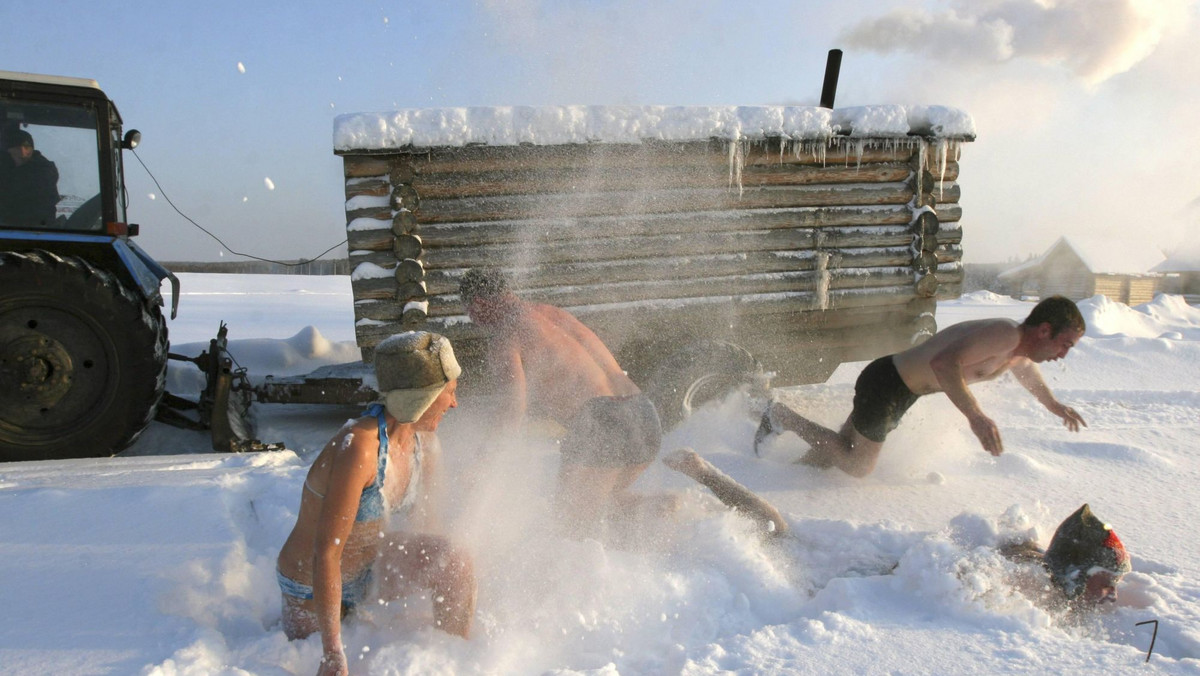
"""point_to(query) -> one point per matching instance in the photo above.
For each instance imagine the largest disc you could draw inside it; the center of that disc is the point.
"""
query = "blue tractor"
(83, 340)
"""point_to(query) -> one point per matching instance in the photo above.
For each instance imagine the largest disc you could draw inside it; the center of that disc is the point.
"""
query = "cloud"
(1093, 39)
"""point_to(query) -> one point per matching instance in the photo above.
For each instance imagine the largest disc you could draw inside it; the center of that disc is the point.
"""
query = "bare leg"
(431, 562)
(728, 491)
(299, 618)
(847, 450)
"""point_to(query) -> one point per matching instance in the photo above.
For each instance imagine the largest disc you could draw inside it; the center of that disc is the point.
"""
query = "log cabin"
(1080, 267)
(805, 236)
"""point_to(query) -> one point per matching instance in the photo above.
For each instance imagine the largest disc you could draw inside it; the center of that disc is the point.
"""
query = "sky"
(1085, 109)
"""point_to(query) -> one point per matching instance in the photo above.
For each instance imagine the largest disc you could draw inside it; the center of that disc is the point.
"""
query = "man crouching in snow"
(953, 358)
(544, 358)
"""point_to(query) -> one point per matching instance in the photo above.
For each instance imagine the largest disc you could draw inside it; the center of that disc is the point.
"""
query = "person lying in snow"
(1086, 560)
(543, 358)
(340, 553)
(953, 358)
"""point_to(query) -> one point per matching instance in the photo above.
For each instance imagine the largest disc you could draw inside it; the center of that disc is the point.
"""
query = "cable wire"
(218, 239)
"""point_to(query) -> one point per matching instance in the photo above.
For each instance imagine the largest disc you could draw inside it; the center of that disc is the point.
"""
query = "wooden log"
(360, 165)
(409, 291)
(384, 259)
(405, 223)
(376, 288)
(652, 153)
(670, 290)
(406, 246)
(370, 240)
(678, 267)
(378, 213)
(606, 179)
(657, 202)
(401, 171)
(501, 232)
(410, 270)
(372, 188)
(405, 197)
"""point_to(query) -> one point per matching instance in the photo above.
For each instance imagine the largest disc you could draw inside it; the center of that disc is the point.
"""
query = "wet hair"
(482, 283)
(1059, 312)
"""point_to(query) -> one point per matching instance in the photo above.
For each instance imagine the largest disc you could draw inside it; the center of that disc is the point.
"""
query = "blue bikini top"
(371, 504)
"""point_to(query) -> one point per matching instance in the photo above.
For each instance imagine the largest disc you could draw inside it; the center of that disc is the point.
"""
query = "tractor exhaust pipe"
(833, 65)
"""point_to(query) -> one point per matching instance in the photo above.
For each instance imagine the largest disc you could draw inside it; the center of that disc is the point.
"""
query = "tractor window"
(50, 170)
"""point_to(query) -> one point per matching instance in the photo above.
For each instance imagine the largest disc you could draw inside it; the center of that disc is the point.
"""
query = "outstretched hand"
(1069, 416)
(987, 432)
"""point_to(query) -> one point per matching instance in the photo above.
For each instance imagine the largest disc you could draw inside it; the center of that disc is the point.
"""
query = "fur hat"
(411, 369)
(15, 138)
(1082, 544)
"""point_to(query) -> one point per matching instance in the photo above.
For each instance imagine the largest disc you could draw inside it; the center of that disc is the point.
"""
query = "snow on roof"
(1186, 260)
(552, 125)
(1100, 255)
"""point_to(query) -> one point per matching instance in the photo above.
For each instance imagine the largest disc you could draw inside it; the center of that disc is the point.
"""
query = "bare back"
(564, 362)
(984, 349)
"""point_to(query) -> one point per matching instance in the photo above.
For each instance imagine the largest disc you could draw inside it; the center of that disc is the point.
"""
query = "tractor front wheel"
(82, 359)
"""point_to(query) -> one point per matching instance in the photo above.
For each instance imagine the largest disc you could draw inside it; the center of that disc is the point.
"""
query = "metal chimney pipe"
(833, 65)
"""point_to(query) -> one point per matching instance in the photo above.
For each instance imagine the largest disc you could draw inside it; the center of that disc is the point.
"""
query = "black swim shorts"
(880, 399)
(613, 432)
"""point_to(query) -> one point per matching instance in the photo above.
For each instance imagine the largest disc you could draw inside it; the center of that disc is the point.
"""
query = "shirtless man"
(546, 359)
(962, 354)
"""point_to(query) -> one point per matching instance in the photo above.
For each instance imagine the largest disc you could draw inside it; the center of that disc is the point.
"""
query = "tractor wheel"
(698, 373)
(83, 361)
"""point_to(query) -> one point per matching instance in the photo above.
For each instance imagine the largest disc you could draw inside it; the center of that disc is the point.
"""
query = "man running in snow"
(948, 362)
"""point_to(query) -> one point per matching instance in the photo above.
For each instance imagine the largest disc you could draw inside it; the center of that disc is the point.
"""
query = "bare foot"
(685, 461)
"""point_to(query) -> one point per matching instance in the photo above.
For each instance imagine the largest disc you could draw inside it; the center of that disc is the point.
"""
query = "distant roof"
(1181, 261)
(554, 125)
(1102, 256)
(49, 79)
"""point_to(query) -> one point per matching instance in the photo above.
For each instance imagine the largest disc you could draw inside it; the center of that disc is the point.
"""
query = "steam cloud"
(1094, 39)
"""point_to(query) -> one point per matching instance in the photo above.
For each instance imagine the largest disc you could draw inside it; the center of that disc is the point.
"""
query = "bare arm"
(509, 371)
(431, 501)
(353, 468)
(1030, 377)
(988, 341)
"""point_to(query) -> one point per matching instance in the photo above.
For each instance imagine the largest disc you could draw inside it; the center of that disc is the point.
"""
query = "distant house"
(1081, 267)
(1183, 273)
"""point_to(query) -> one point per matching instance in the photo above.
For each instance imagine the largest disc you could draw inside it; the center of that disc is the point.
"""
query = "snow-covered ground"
(161, 561)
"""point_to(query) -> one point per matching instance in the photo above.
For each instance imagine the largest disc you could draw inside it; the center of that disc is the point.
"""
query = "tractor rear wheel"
(82, 359)
(698, 373)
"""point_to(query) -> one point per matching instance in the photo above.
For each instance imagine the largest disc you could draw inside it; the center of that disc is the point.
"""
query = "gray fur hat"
(411, 369)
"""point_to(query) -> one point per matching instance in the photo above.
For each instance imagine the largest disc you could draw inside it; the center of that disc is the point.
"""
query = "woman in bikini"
(341, 552)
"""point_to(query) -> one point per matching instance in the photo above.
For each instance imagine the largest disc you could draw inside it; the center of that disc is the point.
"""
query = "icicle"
(942, 146)
(822, 281)
(737, 160)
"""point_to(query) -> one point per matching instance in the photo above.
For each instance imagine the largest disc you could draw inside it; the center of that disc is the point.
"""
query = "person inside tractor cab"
(28, 183)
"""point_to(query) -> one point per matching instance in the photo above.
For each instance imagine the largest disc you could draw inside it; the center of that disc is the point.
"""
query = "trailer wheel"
(698, 373)
(82, 359)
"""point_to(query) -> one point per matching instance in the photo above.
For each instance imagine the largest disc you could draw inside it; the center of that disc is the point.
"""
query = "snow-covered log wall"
(808, 236)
